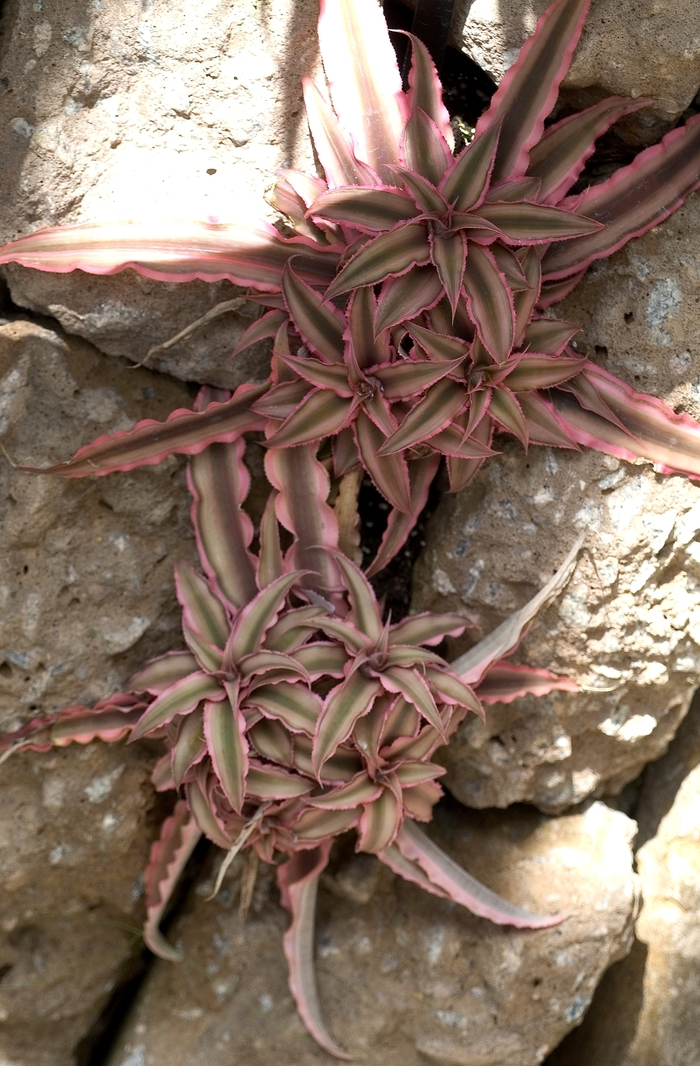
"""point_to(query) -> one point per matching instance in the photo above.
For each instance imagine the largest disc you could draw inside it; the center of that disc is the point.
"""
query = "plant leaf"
(449, 254)
(332, 144)
(504, 681)
(149, 442)
(371, 210)
(529, 88)
(203, 612)
(321, 414)
(294, 705)
(542, 371)
(440, 404)
(543, 424)
(400, 523)
(523, 223)
(317, 825)
(428, 628)
(262, 329)
(224, 729)
(180, 698)
(380, 822)
(388, 472)
(388, 255)
(424, 152)
(472, 666)
(466, 181)
(548, 336)
(405, 297)
(271, 740)
(255, 619)
(413, 688)
(361, 789)
(322, 659)
(346, 703)
(271, 783)
(169, 854)
(163, 672)
(490, 302)
(317, 321)
(409, 870)
(505, 409)
(461, 886)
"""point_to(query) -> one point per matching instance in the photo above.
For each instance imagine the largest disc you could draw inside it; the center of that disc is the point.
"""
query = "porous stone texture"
(640, 311)
(626, 628)
(650, 48)
(86, 591)
(646, 1010)
(405, 979)
(75, 829)
(142, 110)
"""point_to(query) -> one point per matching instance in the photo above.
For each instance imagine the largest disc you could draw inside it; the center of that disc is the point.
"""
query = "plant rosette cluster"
(408, 291)
(296, 712)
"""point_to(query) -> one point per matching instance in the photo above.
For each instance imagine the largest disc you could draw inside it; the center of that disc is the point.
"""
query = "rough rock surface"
(75, 829)
(646, 1010)
(87, 589)
(649, 49)
(404, 978)
(145, 110)
(626, 629)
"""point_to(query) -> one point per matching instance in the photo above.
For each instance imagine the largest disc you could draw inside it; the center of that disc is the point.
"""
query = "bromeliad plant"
(297, 712)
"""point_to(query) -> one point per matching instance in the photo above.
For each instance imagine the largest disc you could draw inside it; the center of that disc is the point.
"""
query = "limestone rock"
(626, 628)
(404, 978)
(647, 1008)
(86, 590)
(147, 111)
(75, 829)
(651, 50)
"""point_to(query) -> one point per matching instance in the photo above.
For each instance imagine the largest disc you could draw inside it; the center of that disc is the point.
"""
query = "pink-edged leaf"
(293, 628)
(174, 251)
(421, 189)
(402, 381)
(331, 376)
(272, 783)
(163, 672)
(149, 442)
(472, 666)
(461, 887)
(553, 292)
(388, 255)
(317, 825)
(282, 400)
(437, 345)
(352, 638)
(425, 90)
(512, 189)
(348, 702)
(388, 472)
(542, 371)
(342, 766)
(363, 602)
(365, 84)
(548, 336)
(504, 681)
(367, 349)
(303, 486)
(257, 616)
(380, 822)
(285, 199)
(450, 689)
(400, 523)
(322, 659)
(413, 688)
(524, 301)
(409, 870)
(203, 612)
(511, 269)
(506, 410)
(410, 655)
(318, 322)
(82, 728)
(271, 740)
(332, 144)
(262, 329)
(490, 302)
(424, 152)
(298, 880)
(276, 663)
(419, 800)
(419, 747)
(180, 698)
(200, 805)
(448, 254)
(543, 424)
(169, 854)
(633, 200)
(305, 186)
(362, 789)
(523, 223)
(219, 481)
(402, 720)
(651, 429)
(560, 156)
(427, 628)
(441, 403)
(294, 705)
(190, 746)
(451, 441)
(270, 561)
(467, 179)
(224, 729)
(371, 210)
(462, 471)
(405, 297)
(321, 414)
(418, 773)
(529, 88)
(345, 457)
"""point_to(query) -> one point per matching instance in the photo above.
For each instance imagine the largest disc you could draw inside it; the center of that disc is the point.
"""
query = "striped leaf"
(295, 706)
(348, 702)
(180, 698)
(169, 855)
(380, 822)
(318, 322)
(224, 729)
(385, 256)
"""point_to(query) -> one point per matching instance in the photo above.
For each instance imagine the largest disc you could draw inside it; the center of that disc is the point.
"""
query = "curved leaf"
(296, 707)
(490, 302)
(386, 256)
(321, 414)
(332, 144)
(224, 729)
(436, 410)
(272, 783)
(180, 698)
(372, 210)
(169, 854)
(504, 681)
(425, 152)
(380, 822)
(523, 223)
(405, 297)
(348, 702)
(361, 789)
(317, 321)
(466, 181)
(425, 90)
(163, 672)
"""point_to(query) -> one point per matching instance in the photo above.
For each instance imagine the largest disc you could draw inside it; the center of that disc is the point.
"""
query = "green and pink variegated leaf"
(399, 864)
(363, 602)
(524, 223)
(428, 628)
(560, 156)
(346, 703)
(361, 789)
(472, 666)
(405, 297)
(262, 329)
(505, 681)
(644, 427)
(490, 302)
(388, 472)
(380, 822)
(267, 782)
(425, 90)
(317, 321)
(461, 887)
(529, 88)
(331, 142)
(371, 210)
(425, 155)
(80, 726)
(163, 672)
(175, 251)
(360, 64)
(190, 747)
(294, 705)
(388, 255)
(169, 855)
(202, 611)
(400, 523)
(436, 410)
(298, 881)
(180, 698)
(543, 424)
(252, 623)
(224, 730)
(321, 414)
(633, 200)
(149, 442)
(465, 183)
(316, 825)
(413, 688)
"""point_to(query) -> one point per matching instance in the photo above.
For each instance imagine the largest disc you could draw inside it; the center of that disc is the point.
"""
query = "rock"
(647, 1008)
(75, 830)
(405, 978)
(653, 51)
(148, 111)
(87, 589)
(626, 628)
